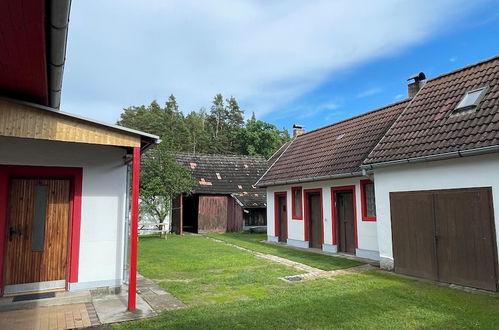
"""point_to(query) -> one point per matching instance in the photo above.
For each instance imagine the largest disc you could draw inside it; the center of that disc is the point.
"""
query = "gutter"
(317, 178)
(57, 41)
(444, 156)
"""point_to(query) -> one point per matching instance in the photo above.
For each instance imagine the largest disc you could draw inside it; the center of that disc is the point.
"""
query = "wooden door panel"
(346, 229)
(465, 240)
(413, 234)
(283, 219)
(315, 220)
(27, 262)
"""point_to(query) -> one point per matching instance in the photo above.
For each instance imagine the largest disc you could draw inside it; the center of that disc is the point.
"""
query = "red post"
(134, 224)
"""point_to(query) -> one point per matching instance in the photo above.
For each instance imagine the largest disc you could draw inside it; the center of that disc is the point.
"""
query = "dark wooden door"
(346, 229)
(413, 236)
(37, 233)
(283, 219)
(465, 238)
(314, 220)
(445, 235)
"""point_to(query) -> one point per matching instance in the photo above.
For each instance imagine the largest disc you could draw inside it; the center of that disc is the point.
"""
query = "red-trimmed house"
(317, 194)
(64, 187)
(437, 181)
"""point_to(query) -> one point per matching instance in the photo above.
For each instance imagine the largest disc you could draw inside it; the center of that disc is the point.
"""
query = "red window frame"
(293, 215)
(363, 200)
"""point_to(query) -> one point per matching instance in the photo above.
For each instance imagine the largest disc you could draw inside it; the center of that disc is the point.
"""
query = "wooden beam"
(23, 121)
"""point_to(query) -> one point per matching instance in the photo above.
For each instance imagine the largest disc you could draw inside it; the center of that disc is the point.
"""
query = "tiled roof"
(278, 153)
(337, 149)
(226, 175)
(426, 128)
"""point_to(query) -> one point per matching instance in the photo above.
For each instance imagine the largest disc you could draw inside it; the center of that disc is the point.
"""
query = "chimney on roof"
(298, 130)
(416, 85)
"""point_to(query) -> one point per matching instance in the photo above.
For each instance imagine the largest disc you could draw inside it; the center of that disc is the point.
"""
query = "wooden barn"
(225, 199)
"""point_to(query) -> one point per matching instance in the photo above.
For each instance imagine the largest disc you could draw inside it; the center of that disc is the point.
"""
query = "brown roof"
(278, 153)
(426, 128)
(227, 175)
(334, 150)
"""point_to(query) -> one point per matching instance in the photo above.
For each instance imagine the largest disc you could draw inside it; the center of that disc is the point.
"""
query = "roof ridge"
(357, 116)
(220, 155)
(464, 68)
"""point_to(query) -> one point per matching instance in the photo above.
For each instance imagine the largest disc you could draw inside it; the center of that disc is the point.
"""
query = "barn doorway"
(190, 213)
(345, 221)
(313, 213)
(281, 214)
(36, 255)
(445, 235)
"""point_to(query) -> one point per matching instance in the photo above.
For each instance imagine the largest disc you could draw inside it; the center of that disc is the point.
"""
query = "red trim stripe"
(134, 224)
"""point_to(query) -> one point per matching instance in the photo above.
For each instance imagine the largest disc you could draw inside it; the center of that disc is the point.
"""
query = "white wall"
(366, 230)
(103, 200)
(466, 172)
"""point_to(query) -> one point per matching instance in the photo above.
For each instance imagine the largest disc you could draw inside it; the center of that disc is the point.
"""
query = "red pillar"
(134, 224)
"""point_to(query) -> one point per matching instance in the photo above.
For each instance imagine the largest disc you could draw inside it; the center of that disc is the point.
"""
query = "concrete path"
(311, 273)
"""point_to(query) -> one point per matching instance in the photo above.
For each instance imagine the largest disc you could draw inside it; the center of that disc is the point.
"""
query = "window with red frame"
(368, 201)
(296, 203)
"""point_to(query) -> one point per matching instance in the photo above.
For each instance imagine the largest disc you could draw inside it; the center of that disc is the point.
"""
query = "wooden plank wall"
(23, 121)
(256, 217)
(234, 216)
(212, 216)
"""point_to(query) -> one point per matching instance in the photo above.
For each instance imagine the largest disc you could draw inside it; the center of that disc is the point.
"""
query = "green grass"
(198, 270)
(254, 242)
(231, 289)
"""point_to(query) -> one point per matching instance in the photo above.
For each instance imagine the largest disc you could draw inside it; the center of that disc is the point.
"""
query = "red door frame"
(75, 175)
(276, 212)
(134, 230)
(306, 192)
(334, 190)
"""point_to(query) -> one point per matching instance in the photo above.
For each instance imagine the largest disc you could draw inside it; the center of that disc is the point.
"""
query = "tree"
(261, 138)
(162, 178)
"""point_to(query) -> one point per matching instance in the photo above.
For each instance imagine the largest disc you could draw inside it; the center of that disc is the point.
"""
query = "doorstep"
(77, 309)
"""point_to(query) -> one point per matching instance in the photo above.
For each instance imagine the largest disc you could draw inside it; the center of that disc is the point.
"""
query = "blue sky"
(289, 61)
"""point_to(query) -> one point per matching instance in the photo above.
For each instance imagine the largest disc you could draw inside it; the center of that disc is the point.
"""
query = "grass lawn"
(231, 289)
(253, 242)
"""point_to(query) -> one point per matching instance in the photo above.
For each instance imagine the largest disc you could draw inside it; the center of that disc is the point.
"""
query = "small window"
(471, 99)
(368, 200)
(296, 203)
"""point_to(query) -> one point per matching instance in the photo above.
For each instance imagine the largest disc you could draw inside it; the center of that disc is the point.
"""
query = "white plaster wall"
(366, 230)
(466, 172)
(103, 199)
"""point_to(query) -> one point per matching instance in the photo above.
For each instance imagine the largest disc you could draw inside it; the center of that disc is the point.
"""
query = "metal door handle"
(12, 231)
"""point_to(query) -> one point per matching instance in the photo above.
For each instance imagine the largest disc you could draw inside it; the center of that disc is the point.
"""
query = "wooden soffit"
(23, 121)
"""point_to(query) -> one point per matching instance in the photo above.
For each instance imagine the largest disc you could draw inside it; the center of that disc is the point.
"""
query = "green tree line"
(222, 130)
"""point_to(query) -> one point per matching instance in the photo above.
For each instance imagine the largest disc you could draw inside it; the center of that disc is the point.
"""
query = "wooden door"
(445, 235)
(283, 218)
(314, 220)
(413, 236)
(465, 238)
(346, 229)
(37, 233)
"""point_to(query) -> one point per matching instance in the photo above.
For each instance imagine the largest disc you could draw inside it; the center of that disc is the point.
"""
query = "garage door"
(445, 235)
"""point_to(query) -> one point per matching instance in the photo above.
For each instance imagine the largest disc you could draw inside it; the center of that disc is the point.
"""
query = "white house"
(64, 180)
(437, 181)
(414, 184)
(318, 196)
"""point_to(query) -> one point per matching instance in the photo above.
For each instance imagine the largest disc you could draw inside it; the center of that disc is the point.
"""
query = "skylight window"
(471, 99)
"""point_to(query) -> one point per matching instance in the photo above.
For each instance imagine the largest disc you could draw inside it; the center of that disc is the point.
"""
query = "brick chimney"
(417, 82)
(298, 130)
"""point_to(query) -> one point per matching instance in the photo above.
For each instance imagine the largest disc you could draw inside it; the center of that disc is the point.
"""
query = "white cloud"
(369, 92)
(265, 53)
(399, 97)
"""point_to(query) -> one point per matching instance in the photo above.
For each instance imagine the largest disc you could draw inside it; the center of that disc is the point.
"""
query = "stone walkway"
(311, 273)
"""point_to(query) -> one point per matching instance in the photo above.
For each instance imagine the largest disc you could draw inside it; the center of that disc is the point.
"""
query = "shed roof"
(426, 128)
(334, 150)
(227, 175)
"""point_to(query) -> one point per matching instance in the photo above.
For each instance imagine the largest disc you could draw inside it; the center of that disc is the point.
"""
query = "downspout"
(57, 41)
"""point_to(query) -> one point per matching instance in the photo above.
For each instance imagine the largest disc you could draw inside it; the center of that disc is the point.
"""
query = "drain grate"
(293, 278)
(34, 296)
